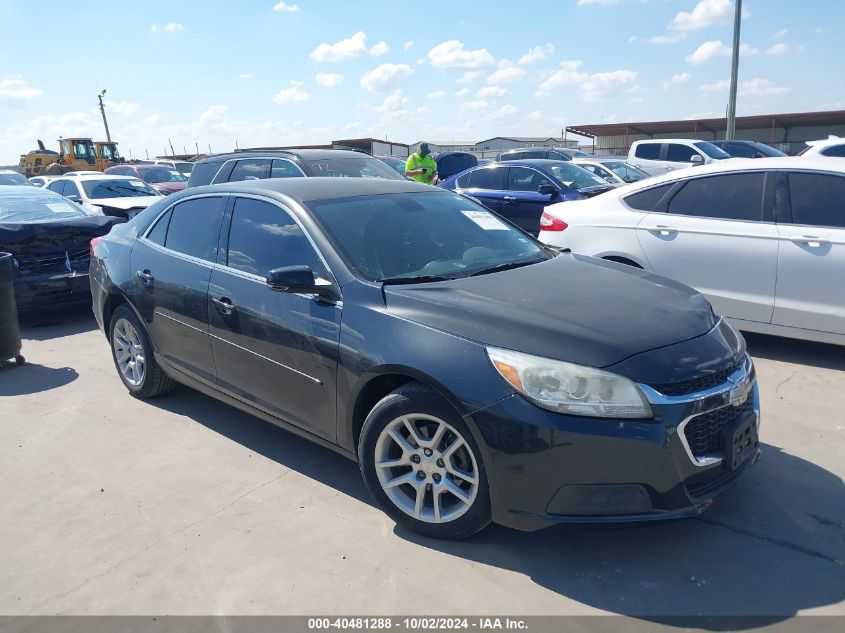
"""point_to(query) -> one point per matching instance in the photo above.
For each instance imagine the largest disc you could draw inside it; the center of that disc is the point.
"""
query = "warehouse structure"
(787, 132)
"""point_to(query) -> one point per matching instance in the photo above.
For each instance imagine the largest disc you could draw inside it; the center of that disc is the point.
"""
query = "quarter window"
(159, 232)
(648, 151)
(817, 199)
(836, 150)
(195, 227)
(249, 169)
(731, 197)
(647, 200)
(264, 236)
(678, 153)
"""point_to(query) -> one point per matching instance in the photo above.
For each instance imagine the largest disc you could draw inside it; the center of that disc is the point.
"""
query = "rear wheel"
(422, 465)
(133, 356)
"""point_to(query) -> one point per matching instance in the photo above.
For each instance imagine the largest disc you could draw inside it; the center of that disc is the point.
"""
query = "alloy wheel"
(426, 468)
(129, 352)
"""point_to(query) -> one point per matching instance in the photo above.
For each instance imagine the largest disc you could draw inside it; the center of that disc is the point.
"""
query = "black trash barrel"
(10, 330)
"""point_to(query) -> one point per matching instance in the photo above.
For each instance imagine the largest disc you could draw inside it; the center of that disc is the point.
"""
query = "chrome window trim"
(214, 180)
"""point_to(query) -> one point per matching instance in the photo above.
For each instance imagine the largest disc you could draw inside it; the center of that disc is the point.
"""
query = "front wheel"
(422, 465)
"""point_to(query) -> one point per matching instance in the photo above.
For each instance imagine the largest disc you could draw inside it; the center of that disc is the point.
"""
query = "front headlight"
(568, 388)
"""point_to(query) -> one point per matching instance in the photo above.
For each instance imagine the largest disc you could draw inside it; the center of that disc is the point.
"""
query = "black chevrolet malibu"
(474, 374)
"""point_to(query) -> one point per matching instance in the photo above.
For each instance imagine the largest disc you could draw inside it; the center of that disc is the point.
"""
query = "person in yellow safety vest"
(421, 166)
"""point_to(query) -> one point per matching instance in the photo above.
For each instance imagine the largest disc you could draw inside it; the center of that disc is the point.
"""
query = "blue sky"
(262, 72)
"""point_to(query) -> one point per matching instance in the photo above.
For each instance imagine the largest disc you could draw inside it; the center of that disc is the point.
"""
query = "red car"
(162, 178)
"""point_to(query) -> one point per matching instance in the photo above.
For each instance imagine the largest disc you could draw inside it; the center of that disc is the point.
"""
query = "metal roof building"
(787, 132)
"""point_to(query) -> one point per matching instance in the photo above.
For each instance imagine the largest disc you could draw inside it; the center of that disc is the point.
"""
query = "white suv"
(831, 146)
(660, 156)
(762, 239)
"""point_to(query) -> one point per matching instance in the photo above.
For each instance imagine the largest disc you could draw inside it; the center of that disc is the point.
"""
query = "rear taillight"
(551, 223)
(93, 244)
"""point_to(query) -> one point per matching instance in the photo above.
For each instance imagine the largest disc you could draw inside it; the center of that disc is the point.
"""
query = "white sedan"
(102, 194)
(614, 170)
(764, 240)
(831, 146)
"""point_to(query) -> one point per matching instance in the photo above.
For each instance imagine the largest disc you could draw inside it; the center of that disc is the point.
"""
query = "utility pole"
(103, 112)
(730, 130)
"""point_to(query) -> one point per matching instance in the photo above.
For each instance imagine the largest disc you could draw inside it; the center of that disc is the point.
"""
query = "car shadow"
(46, 325)
(788, 350)
(19, 380)
(771, 546)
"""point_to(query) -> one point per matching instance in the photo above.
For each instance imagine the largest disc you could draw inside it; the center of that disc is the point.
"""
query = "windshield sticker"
(486, 220)
(57, 207)
(136, 183)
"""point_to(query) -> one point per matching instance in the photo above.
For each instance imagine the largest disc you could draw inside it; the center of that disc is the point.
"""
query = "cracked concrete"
(186, 506)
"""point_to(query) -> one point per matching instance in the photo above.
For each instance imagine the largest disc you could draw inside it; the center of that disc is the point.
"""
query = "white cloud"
(408, 44)
(285, 7)
(538, 53)
(716, 48)
(778, 49)
(752, 88)
(507, 109)
(245, 76)
(469, 76)
(173, 27)
(384, 77)
(666, 39)
(779, 34)
(379, 48)
(476, 105)
(354, 46)
(681, 78)
(605, 3)
(329, 80)
(452, 54)
(154, 27)
(704, 14)
(16, 90)
(491, 92)
(463, 92)
(120, 107)
(295, 92)
(504, 75)
(437, 94)
(594, 87)
(394, 102)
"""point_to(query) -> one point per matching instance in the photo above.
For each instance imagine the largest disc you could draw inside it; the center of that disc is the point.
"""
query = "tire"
(441, 461)
(147, 380)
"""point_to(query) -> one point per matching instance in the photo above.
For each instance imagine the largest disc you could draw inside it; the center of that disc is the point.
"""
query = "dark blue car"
(520, 190)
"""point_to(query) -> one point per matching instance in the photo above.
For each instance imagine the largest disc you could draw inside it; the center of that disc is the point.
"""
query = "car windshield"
(422, 236)
(576, 153)
(711, 150)
(13, 179)
(626, 172)
(185, 168)
(364, 167)
(767, 150)
(161, 174)
(574, 176)
(117, 188)
(397, 163)
(36, 205)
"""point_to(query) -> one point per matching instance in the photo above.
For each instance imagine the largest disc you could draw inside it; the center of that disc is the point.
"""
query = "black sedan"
(474, 374)
(49, 238)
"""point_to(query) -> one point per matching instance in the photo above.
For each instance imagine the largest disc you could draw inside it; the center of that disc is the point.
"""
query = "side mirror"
(547, 190)
(696, 159)
(74, 198)
(300, 279)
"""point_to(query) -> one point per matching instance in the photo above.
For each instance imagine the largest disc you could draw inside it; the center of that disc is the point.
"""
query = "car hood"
(571, 308)
(112, 205)
(49, 238)
(169, 187)
(594, 190)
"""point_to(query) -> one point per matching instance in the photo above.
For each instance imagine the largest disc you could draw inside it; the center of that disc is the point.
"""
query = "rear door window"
(525, 179)
(730, 197)
(648, 151)
(678, 153)
(203, 173)
(817, 199)
(491, 178)
(249, 169)
(195, 227)
(284, 169)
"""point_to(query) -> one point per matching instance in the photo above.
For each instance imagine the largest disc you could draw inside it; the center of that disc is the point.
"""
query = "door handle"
(145, 276)
(225, 305)
(663, 230)
(509, 198)
(809, 240)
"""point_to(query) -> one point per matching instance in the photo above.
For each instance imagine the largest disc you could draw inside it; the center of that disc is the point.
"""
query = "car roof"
(29, 190)
(670, 140)
(825, 142)
(535, 162)
(319, 188)
(96, 177)
(8, 171)
(304, 154)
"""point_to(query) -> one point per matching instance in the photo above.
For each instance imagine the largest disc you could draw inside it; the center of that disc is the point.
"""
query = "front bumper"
(52, 291)
(545, 467)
